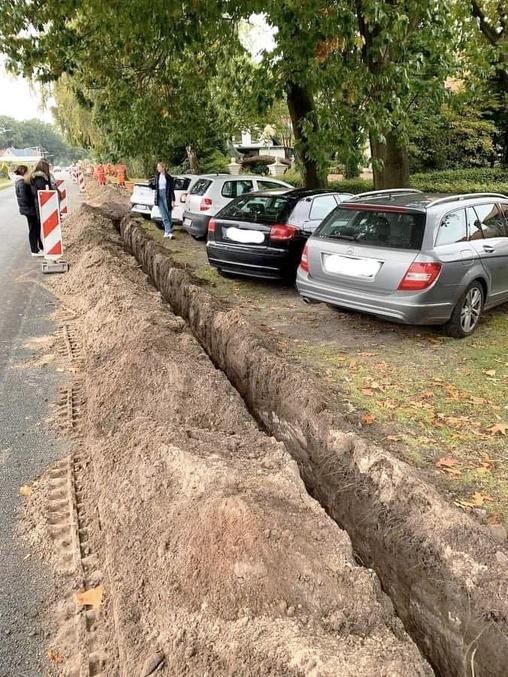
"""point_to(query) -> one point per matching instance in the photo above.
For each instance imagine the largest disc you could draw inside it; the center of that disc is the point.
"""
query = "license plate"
(187, 222)
(345, 265)
(245, 236)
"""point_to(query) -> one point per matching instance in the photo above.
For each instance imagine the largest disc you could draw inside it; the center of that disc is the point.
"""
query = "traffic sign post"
(51, 232)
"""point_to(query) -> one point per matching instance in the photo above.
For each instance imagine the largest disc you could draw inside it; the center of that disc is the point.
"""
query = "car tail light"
(183, 198)
(419, 276)
(205, 204)
(304, 263)
(283, 231)
(211, 226)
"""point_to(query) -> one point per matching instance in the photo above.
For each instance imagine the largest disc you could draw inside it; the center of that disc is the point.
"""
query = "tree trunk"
(390, 163)
(301, 109)
(193, 160)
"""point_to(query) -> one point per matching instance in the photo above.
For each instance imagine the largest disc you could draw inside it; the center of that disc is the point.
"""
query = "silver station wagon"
(411, 257)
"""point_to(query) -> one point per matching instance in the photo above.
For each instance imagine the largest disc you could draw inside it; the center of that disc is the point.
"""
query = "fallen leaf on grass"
(393, 438)
(447, 465)
(490, 372)
(54, 656)
(368, 419)
(26, 490)
(92, 597)
(498, 429)
(477, 500)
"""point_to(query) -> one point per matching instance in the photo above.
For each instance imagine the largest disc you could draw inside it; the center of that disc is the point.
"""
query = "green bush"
(293, 177)
(351, 185)
(4, 170)
(472, 180)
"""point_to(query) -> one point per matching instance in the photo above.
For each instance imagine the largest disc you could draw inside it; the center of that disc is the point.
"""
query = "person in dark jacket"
(27, 208)
(41, 179)
(164, 187)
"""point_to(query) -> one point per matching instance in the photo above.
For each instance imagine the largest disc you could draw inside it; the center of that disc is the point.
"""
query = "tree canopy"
(141, 79)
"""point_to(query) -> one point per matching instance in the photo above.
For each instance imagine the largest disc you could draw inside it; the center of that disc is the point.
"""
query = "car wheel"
(198, 237)
(467, 312)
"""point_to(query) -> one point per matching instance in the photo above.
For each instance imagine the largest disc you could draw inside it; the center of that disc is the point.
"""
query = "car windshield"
(259, 208)
(200, 187)
(377, 227)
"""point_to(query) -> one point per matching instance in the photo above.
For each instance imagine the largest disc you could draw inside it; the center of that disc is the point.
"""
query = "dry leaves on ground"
(448, 465)
(92, 597)
(500, 428)
(25, 490)
(54, 656)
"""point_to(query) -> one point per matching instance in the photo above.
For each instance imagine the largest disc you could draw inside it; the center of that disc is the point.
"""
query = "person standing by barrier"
(164, 187)
(27, 208)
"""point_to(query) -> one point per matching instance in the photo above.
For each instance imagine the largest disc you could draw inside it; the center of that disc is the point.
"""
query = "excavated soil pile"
(444, 572)
(219, 561)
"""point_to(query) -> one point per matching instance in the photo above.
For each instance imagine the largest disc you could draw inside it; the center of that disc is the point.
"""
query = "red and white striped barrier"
(81, 181)
(74, 175)
(51, 229)
(64, 203)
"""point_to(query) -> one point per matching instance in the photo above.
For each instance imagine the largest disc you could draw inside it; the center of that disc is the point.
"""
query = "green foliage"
(485, 180)
(29, 133)
(294, 177)
(4, 170)
(352, 185)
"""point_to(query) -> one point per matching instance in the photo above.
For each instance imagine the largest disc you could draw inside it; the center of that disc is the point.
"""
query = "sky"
(20, 100)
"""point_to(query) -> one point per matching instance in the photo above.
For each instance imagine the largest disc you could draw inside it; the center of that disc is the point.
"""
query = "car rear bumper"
(198, 225)
(273, 264)
(406, 308)
(141, 209)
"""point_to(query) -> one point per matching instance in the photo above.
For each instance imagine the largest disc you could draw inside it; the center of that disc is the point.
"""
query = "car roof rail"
(463, 196)
(386, 191)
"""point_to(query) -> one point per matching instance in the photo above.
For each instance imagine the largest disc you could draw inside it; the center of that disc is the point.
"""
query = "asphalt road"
(26, 448)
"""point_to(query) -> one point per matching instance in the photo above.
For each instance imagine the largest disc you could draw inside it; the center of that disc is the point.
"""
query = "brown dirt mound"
(444, 572)
(216, 554)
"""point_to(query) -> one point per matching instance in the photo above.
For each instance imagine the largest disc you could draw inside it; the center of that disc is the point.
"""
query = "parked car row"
(199, 197)
(399, 254)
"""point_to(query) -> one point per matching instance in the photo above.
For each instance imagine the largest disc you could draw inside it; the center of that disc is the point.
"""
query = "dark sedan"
(262, 234)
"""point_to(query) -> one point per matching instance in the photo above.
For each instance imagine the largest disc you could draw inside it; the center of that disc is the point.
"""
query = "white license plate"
(346, 265)
(245, 236)
(187, 222)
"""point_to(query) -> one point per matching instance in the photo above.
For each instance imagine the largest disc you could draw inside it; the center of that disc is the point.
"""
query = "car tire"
(159, 225)
(467, 312)
(198, 237)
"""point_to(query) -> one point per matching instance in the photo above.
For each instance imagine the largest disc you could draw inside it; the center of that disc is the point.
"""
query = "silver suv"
(411, 257)
(212, 192)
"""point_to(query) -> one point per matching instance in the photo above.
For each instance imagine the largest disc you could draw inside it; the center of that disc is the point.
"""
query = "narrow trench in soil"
(441, 572)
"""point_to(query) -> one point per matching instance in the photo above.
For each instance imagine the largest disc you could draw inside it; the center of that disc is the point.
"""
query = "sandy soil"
(216, 559)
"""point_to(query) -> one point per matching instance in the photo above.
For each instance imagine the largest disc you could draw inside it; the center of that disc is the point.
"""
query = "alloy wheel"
(471, 309)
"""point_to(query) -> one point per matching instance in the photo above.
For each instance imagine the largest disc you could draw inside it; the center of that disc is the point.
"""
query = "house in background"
(21, 155)
(266, 148)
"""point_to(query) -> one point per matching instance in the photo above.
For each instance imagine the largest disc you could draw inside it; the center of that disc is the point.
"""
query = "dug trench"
(212, 556)
(446, 576)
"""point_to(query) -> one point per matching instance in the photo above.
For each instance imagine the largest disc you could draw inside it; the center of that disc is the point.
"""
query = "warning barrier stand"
(64, 202)
(51, 232)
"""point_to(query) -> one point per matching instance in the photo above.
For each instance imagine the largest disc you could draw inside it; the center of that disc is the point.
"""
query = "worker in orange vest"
(101, 175)
(121, 171)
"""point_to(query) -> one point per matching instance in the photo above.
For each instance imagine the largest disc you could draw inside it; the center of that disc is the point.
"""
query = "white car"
(212, 192)
(183, 183)
(142, 199)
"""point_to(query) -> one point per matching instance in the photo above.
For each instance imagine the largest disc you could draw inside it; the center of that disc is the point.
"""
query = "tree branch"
(486, 28)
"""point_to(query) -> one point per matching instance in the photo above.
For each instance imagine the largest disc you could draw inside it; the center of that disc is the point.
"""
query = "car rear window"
(377, 227)
(200, 187)
(259, 208)
(181, 182)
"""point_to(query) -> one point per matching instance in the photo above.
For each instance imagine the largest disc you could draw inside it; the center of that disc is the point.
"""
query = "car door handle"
(488, 248)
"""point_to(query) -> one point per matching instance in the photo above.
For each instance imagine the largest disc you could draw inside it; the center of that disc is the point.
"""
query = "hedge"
(474, 180)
